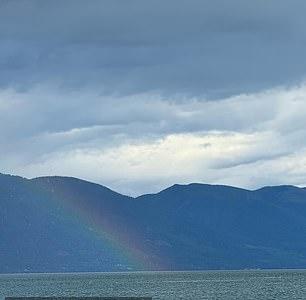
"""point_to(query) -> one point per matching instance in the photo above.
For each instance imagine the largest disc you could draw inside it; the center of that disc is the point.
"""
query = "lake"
(272, 284)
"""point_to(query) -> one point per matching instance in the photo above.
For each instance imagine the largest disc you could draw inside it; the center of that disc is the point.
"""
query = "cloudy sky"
(138, 95)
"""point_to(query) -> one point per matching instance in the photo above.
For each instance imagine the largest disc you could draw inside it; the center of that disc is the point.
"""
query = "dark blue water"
(161, 285)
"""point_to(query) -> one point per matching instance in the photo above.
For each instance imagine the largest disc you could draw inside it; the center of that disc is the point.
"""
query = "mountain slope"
(54, 224)
(225, 227)
(39, 231)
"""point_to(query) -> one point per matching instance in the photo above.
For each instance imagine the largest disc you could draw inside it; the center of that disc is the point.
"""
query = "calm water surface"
(161, 285)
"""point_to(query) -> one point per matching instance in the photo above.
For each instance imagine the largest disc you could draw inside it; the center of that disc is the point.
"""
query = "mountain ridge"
(66, 224)
(186, 185)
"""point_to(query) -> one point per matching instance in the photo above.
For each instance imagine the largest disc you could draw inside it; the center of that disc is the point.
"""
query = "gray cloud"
(194, 47)
(133, 87)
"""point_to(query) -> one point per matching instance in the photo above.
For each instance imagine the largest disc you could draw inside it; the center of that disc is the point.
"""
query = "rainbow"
(124, 239)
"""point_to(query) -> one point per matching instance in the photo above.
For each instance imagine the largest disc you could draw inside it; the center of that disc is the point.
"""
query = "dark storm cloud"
(212, 48)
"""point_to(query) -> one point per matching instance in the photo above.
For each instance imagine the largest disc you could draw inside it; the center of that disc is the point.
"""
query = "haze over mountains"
(61, 224)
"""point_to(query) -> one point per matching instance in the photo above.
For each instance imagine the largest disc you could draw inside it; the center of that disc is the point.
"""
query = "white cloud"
(143, 143)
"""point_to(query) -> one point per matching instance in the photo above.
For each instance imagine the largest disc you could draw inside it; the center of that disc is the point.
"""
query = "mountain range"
(64, 224)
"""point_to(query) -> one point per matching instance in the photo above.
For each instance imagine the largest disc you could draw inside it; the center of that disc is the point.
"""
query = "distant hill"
(62, 224)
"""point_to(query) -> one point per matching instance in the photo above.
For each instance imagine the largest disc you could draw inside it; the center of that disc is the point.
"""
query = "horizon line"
(164, 189)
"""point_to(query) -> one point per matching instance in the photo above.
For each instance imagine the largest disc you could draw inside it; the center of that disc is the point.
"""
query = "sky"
(138, 95)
